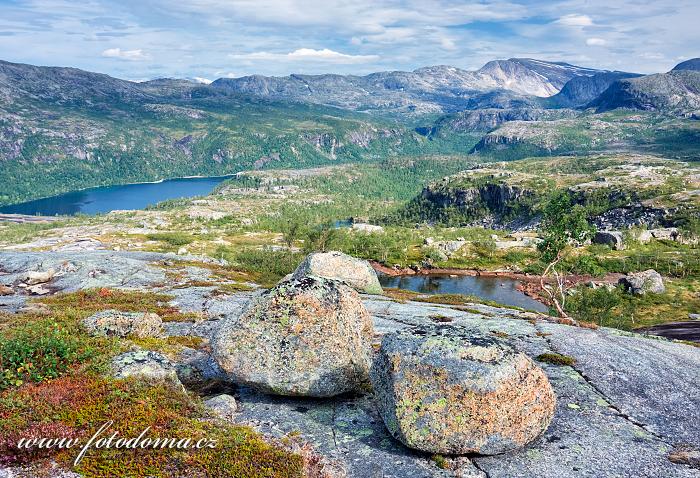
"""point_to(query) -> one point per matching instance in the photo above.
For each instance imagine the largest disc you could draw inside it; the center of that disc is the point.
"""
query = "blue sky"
(208, 39)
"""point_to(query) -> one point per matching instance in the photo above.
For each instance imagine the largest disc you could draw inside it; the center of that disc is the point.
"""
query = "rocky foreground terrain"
(626, 404)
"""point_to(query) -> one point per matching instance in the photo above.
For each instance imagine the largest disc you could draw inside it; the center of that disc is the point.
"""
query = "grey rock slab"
(146, 365)
(653, 381)
(208, 301)
(345, 429)
(197, 369)
(203, 329)
(74, 271)
(587, 438)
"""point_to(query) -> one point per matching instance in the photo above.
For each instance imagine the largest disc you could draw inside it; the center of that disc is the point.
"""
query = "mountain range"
(425, 90)
(63, 128)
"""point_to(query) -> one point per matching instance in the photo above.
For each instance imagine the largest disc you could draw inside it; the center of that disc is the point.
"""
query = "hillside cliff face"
(619, 192)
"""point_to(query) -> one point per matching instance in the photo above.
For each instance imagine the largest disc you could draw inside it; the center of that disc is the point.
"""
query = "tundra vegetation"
(53, 384)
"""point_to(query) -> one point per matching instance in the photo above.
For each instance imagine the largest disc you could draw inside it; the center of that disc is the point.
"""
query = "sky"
(209, 39)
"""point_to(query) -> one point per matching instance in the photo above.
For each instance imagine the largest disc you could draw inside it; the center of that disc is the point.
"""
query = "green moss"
(556, 359)
(440, 461)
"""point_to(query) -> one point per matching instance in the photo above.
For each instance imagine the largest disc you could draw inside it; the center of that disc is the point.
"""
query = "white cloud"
(575, 20)
(596, 42)
(307, 54)
(204, 81)
(133, 55)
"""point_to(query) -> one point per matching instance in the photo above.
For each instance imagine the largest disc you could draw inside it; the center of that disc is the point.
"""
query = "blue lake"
(110, 198)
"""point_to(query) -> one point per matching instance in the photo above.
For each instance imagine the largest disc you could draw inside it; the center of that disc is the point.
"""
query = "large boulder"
(613, 239)
(640, 283)
(304, 337)
(454, 391)
(356, 273)
(38, 277)
(114, 323)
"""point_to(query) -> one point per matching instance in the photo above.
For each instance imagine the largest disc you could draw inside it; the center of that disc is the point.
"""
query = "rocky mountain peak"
(532, 77)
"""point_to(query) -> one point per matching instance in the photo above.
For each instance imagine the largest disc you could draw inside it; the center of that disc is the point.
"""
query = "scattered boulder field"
(382, 387)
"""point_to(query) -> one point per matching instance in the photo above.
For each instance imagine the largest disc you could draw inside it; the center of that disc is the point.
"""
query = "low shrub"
(174, 239)
(40, 350)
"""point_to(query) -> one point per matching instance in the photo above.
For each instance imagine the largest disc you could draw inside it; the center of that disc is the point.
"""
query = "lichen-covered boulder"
(114, 323)
(354, 272)
(450, 390)
(613, 239)
(640, 283)
(304, 337)
(151, 367)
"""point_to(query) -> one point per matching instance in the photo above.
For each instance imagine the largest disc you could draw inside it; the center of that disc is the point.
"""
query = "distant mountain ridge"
(581, 90)
(692, 64)
(675, 92)
(425, 90)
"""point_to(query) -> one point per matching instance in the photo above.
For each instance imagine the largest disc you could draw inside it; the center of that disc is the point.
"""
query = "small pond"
(498, 289)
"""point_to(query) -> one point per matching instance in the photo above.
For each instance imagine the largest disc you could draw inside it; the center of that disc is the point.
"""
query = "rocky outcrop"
(366, 228)
(151, 367)
(446, 390)
(495, 196)
(486, 119)
(640, 283)
(661, 234)
(334, 265)
(114, 323)
(613, 239)
(305, 337)
(445, 248)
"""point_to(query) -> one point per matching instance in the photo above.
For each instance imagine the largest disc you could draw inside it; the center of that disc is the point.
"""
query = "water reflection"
(499, 289)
